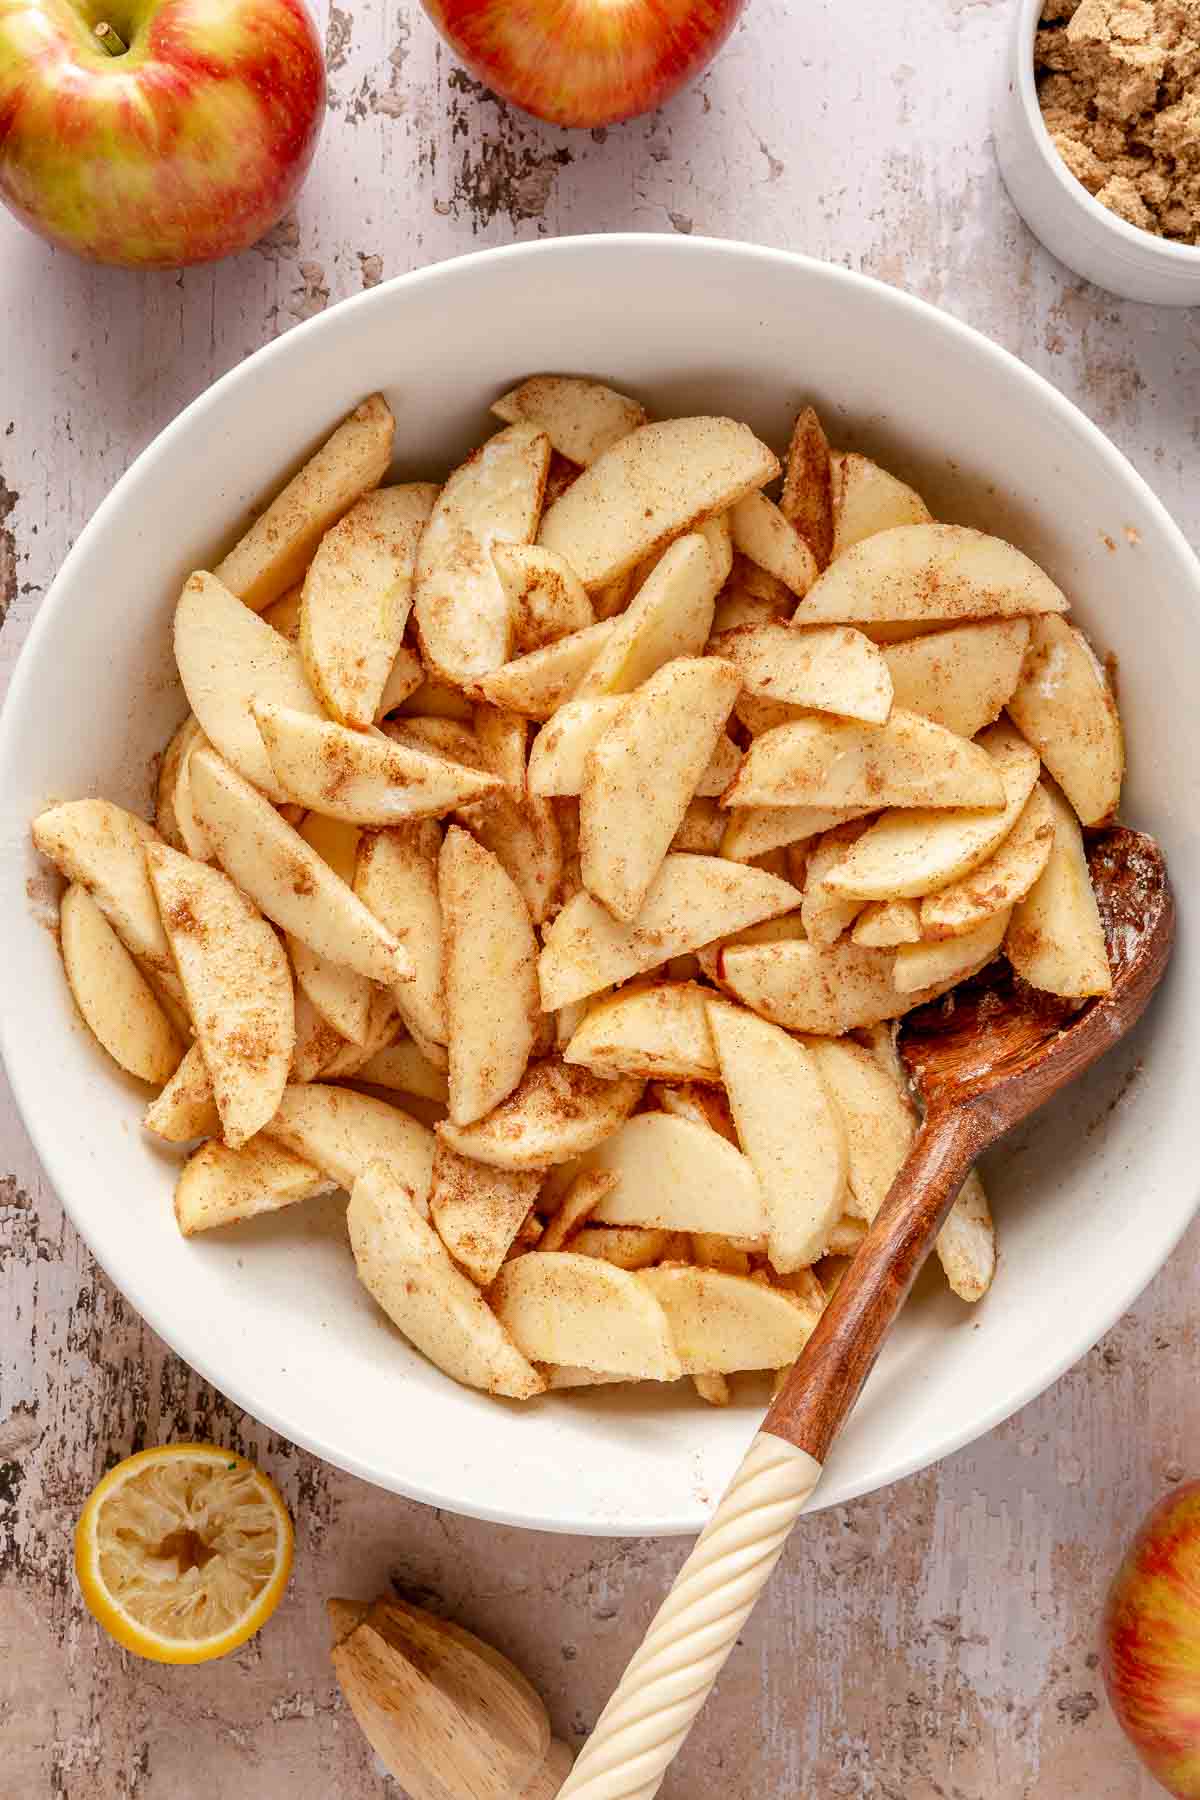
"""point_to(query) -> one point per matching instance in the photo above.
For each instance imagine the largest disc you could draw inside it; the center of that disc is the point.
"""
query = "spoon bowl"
(996, 1038)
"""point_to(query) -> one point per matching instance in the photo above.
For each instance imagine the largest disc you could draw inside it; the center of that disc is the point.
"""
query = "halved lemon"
(183, 1552)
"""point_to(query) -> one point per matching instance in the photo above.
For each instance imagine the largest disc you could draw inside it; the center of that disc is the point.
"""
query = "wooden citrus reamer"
(981, 1062)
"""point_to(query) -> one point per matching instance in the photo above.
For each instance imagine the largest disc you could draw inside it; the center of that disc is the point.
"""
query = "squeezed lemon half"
(183, 1552)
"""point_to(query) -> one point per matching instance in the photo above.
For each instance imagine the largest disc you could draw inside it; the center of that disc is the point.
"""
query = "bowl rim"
(1122, 1292)
(1134, 237)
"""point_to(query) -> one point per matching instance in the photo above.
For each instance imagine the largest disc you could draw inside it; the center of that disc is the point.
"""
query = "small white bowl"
(1089, 1200)
(1059, 210)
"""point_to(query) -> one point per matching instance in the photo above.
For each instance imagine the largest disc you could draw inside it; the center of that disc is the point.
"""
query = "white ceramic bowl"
(1090, 1201)
(1073, 225)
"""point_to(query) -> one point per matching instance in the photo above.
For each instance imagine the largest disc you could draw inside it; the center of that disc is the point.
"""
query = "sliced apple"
(452, 740)
(406, 1068)
(805, 987)
(694, 900)
(913, 851)
(546, 599)
(758, 714)
(165, 821)
(866, 499)
(823, 761)
(939, 962)
(961, 678)
(286, 879)
(396, 879)
(238, 984)
(696, 1101)
(751, 597)
(383, 1028)
(227, 658)
(642, 773)
(678, 1176)
(845, 1237)
(582, 418)
(966, 1244)
(365, 778)
(283, 615)
(883, 924)
(660, 1031)
(317, 1043)
(340, 995)
(524, 837)
(578, 1204)
(824, 912)
(195, 840)
(717, 533)
(103, 848)
(789, 1129)
(650, 487)
(561, 748)
(115, 1000)
(712, 1251)
(997, 884)
(722, 766)
(1065, 707)
(186, 1108)
(276, 550)
(764, 534)
(538, 684)
(342, 1132)
(722, 1323)
(219, 1185)
(437, 699)
(670, 615)
(755, 830)
(770, 931)
(407, 1269)
(478, 1211)
(491, 985)
(577, 1310)
(406, 677)
(556, 1114)
(357, 597)
(807, 500)
(878, 1117)
(501, 737)
(628, 1247)
(914, 573)
(1055, 939)
(831, 668)
(462, 613)
(701, 829)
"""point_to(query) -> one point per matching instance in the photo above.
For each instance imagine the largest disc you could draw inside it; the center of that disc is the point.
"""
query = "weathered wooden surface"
(937, 1640)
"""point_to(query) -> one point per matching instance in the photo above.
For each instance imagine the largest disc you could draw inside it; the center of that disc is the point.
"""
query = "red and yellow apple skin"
(585, 62)
(187, 147)
(1151, 1658)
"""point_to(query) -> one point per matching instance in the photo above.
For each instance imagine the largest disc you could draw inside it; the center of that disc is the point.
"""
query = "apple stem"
(111, 40)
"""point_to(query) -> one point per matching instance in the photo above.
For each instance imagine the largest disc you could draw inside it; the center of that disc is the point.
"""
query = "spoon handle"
(645, 1723)
(827, 1378)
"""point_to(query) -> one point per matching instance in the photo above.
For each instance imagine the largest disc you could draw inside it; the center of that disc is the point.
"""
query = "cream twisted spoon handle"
(981, 1066)
(645, 1723)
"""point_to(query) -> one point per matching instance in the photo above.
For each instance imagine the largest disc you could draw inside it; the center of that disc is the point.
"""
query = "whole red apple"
(1151, 1656)
(585, 62)
(182, 140)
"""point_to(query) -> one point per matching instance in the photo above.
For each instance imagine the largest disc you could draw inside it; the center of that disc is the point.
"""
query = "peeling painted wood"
(934, 1641)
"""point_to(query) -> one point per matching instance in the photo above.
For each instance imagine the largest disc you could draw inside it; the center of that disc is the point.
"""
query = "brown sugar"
(1119, 86)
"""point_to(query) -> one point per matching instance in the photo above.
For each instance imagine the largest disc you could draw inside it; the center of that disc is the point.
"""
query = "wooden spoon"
(982, 1060)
